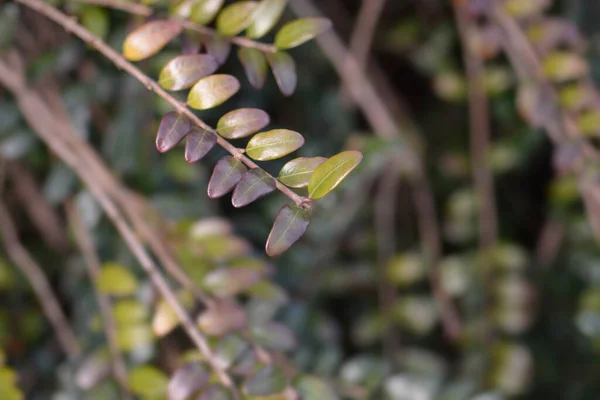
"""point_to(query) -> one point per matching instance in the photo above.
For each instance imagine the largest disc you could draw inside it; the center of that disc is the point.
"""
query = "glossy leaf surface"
(149, 39)
(255, 184)
(284, 70)
(227, 174)
(300, 31)
(199, 142)
(255, 66)
(235, 17)
(212, 91)
(183, 71)
(242, 122)
(297, 173)
(274, 144)
(332, 172)
(266, 16)
(289, 226)
(172, 129)
(204, 11)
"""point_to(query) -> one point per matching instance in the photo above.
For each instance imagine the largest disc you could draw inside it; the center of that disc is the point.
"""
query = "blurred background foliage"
(528, 305)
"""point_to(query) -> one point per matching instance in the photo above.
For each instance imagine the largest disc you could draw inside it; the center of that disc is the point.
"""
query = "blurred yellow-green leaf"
(148, 381)
(235, 17)
(266, 15)
(300, 31)
(116, 280)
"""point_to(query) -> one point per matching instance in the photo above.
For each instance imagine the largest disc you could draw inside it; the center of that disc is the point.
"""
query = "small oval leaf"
(289, 226)
(274, 144)
(274, 336)
(212, 91)
(314, 388)
(332, 172)
(116, 280)
(284, 70)
(255, 184)
(242, 122)
(266, 15)
(148, 381)
(297, 173)
(218, 47)
(199, 142)
(187, 380)
(214, 392)
(267, 381)
(204, 11)
(255, 66)
(227, 174)
(235, 17)
(173, 128)
(149, 39)
(222, 318)
(300, 31)
(183, 71)
(227, 282)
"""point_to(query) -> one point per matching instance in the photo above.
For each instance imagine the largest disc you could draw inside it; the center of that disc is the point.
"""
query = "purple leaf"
(255, 65)
(227, 174)
(199, 143)
(289, 226)
(255, 184)
(284, 70)
(242, 122)
(187, 380)
(172, 130)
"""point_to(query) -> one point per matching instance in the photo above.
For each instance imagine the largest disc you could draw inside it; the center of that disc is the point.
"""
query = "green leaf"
(235, 17)
(230, 349)
(242, 122)
(332, 172)
(173, 128)
(266, 16)
(212, 91)
(165, 319)
(297, 173)
(96, 20)
(289, 226)
(274, 336)
(187, 380)
(131, 337)
(218, 46)
(129, 312)
(149, 39)
(255, 66)
(284, 70)
(222, 318)
(227, 174)
(274, 144)
(314, 388)
(255, 184)
(268, 381)
(214, 392)
(199, 142)
(228, 282)
(562, 66)
(204, 11)
(116, 280)
(300, 31)
(148, 381)
(183, 71)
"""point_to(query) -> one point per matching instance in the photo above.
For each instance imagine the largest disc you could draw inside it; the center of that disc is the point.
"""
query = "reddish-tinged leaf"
(255, 184)
(218, 47)
(242, 122)
(289, 226)
(149, 39)
(255, 65)
(274, 144)
(172, 130)
(266, 15)
(235, 17)
(300, 31)
(187, 379)
(199, 142)
(223, 317)
(212, 91)
(227, 174)
(297, 173)
(183, 71)
(284, 70)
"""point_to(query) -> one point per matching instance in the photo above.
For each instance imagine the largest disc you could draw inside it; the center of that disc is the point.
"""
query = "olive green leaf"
(227, 174)
(332, 172)
(183, 71)
(255, 184)
(129, 312)
(230, 349)
(212, 91)
(132, 337)
(204, 11)
(284, 70)
(165, 319)
(242, 122)
(235, 17)
(218, 47)
(187, 380)
(96, 20)
(172, 129)
(116, 280)
(289, 226)
(149, 39)
(274, 144)
(314, 388)
(255, 66)
(266, 15)
(297, 173)
(274, 336)
(300, 31)
(267, 381)
(148, 381)
(199, 142)
(562, 66)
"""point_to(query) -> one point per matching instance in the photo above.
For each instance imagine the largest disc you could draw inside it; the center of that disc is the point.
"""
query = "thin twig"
(41, 287)
(72, 26)
(92, 263)
(480, 131)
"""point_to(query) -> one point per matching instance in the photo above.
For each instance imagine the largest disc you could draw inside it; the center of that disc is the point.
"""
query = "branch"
(71, 26)
(92, 263)
(41, 287)
(480, 131)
